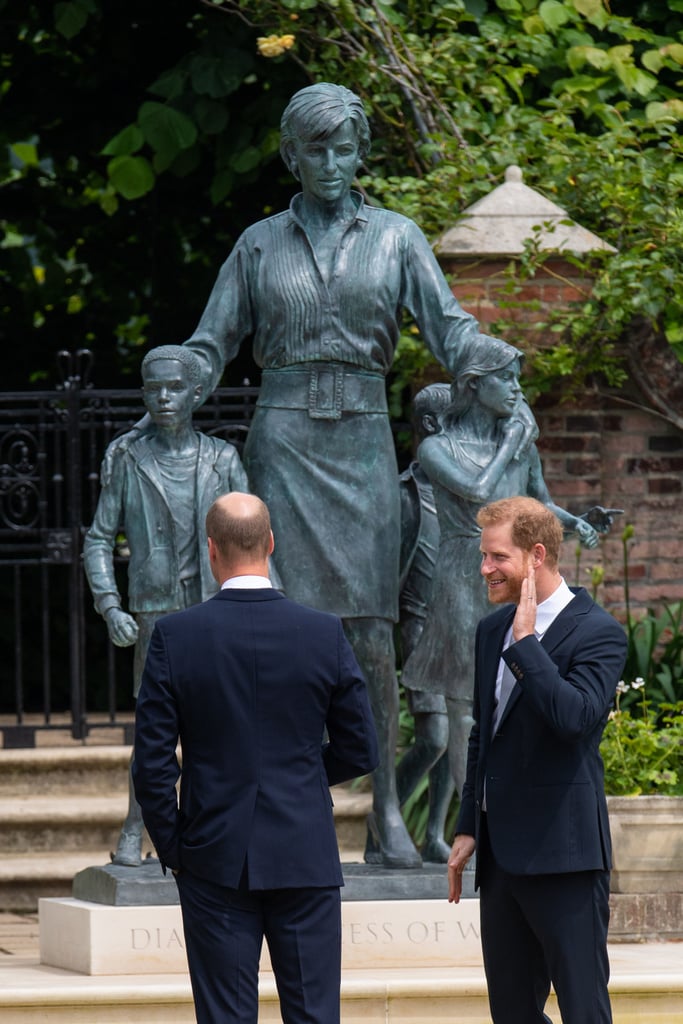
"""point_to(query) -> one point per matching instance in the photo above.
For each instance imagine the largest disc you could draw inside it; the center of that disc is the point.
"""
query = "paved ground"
(19, 935)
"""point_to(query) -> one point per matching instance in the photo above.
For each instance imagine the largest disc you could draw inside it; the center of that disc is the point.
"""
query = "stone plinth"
(95, 939)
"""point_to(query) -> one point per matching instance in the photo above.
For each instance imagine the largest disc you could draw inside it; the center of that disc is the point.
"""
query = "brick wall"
(599, 451)
(482, 288)
(611, 449)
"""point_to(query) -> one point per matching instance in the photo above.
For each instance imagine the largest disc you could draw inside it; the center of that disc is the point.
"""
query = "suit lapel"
(491, 648)
(566, 621)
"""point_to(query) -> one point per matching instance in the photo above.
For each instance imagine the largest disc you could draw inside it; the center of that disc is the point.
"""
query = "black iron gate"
(57, 667)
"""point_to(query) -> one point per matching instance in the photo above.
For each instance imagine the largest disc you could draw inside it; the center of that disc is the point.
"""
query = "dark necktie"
(507, 682)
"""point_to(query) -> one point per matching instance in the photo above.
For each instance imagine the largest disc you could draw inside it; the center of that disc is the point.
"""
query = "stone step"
(68, 771)
(646, 987)
(39, 824)
(27, 878)
(62, 809)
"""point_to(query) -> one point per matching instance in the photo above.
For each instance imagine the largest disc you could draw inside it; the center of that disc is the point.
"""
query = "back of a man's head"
(531, 523)
(239, 526)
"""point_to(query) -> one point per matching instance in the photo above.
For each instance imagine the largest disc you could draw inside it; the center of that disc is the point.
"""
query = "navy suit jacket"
(545, 798)
(248, 682)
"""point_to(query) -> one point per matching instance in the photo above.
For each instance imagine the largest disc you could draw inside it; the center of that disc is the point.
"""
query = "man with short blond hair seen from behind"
(533, 806)
(250, 683)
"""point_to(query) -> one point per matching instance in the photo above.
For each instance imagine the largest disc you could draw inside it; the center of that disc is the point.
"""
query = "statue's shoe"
(128, 850)
(396, 848)
(436, 851)
(372, 854)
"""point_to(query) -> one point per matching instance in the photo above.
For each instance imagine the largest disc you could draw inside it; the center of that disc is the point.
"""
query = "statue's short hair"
(317, 111)
(181, 354)
(241, 531)
(433, 398)
(531, 523)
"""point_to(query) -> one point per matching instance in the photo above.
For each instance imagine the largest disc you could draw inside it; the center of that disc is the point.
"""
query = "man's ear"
(271, 545)
(198, 392)
(538, 555)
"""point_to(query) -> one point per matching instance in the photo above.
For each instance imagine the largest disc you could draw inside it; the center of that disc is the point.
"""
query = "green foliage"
(654, 656)
(643, 754)
(129, 172)
(655, 645)
(112, 163)
(586, 100)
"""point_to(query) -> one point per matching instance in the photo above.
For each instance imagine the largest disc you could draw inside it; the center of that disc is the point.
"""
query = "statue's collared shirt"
(271, 289)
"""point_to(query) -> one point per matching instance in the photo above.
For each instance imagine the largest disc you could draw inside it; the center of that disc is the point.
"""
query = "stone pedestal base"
(120, 886)
(96, 939)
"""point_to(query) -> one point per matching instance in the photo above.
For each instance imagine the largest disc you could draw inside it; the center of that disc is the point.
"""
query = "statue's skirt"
(328, 473)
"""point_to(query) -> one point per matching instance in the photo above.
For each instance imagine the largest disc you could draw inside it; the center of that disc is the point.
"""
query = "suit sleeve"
(576, 700)
(352, 748)
(155, 765)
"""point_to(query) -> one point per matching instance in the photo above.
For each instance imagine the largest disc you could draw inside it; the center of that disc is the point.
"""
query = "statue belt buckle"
(326, 392)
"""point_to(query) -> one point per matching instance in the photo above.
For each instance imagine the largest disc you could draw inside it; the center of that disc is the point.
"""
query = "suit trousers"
(538, 929)
(224, 931)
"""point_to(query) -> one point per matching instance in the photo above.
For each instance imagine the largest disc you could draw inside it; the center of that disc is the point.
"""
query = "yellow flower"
(39, 274)
(274, 45)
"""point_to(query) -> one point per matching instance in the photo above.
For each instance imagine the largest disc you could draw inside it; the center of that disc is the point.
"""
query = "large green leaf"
(170, 85)
(167, 130)
(246, 159)
(670, 110)
(593, 11)
(71, 17)
(641, 82)
(554, 14)
(673, 50)
(219, 76)
(131, 176)
(211, 117)
(577, 56)
(26, 152)
(128, 141)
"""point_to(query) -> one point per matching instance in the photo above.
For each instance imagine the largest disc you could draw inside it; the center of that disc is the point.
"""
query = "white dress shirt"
(246, 583)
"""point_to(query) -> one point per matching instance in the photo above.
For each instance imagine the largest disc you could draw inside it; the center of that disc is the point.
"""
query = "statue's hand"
(588, 536)
(515, 433)
(524, 413)
(514, 427)
(122, 627)
(600, 518)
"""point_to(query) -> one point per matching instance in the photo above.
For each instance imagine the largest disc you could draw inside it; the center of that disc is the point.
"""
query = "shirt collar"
(246, 583)
(549, 609)
(295, 208)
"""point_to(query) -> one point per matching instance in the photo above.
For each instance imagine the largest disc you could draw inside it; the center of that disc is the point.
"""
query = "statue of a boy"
(157, 491)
